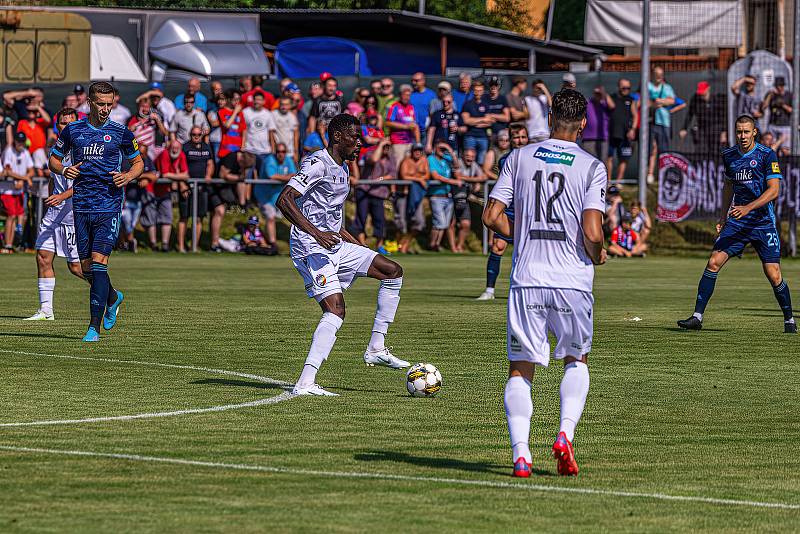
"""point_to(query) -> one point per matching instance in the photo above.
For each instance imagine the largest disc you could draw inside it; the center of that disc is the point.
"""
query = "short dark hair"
(101, 88)
(187, 96)
(340, 123)
(568, 109)
(67, 111)
(331, 78)
(516, 127)
(746, 118)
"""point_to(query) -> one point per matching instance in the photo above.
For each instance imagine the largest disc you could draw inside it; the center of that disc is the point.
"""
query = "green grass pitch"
(699, 416)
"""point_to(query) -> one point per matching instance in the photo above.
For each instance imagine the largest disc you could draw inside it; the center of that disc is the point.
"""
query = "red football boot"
(565, 454)
(522, 468)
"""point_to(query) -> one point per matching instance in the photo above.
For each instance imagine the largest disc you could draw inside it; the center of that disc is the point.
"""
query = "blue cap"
(155, 85)
(292, 88)
(253, 220)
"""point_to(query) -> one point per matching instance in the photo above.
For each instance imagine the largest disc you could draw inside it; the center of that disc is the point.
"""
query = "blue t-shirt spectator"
(662, 115)
(268, 193)
(460, 98)
(443, 167)
(421, 100)
(200, 101)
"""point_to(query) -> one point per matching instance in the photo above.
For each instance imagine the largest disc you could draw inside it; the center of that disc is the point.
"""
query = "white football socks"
(489, 290)
(388, 300)
(321, 346)
(519, 409)
(698, 315)
(574, 388)
(46, 288)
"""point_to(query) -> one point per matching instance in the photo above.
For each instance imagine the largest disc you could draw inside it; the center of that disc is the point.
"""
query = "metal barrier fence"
(194, 183)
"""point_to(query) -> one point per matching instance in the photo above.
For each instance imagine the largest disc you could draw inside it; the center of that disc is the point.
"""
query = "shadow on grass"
(679, 329)
(13, 317)
(439, 463)
(239, 383)
(34, 334)
(470, 296)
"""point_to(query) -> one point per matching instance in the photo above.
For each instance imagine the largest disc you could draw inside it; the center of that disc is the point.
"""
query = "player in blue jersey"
(519, 138)
(97, 146)
(752, 183)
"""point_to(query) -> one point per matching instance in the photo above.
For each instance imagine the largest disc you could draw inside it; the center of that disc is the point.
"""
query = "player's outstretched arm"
(495, 218)
(287, 203)
(593, 235)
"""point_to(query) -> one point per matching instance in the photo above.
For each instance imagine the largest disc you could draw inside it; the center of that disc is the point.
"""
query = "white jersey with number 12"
(551, 184)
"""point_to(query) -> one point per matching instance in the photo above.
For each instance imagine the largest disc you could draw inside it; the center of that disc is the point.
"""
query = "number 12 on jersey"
(550, 215)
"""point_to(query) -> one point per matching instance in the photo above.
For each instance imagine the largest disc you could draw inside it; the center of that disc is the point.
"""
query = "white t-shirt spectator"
(259, 124)
(120, 114)
(537, 121)
(41, 161)
(19, 162)
(167, 109)
(285, 126)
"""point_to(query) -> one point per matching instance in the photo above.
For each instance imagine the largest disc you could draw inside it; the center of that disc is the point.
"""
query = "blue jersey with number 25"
(749, 174)
(101, 151)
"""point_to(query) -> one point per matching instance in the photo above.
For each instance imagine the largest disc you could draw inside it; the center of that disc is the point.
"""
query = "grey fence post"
(194, 215)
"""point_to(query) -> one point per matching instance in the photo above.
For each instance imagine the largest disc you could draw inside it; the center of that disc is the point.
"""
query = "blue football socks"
(492, 269)
(704, 290)
(784, 299)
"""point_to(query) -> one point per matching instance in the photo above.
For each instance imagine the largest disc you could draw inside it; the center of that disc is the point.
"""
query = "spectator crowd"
(444, 141)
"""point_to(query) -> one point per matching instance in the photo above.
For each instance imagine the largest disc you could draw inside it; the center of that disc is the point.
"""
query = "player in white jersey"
(56, 233)
(329, 258)
(558, 191)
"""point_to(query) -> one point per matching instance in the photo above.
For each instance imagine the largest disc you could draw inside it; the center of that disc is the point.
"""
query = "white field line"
(286, 395)
(407, 478)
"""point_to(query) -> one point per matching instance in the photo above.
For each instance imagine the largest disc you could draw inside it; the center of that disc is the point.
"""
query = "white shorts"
(58, 238)
(333, 272)
(535, 311)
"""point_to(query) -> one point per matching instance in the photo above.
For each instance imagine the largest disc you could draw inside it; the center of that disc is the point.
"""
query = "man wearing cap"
(779, 103)
(421, 98)
(402, 124)
(193, 88)
(83, 102)
(516, 98)
(17, 172)
(442, 89)
(568, 81)
(707, 111)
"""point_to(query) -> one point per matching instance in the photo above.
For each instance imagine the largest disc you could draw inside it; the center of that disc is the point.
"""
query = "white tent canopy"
(111, 60)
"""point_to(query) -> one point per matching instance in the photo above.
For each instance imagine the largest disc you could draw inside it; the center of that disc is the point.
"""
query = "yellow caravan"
(44, 47)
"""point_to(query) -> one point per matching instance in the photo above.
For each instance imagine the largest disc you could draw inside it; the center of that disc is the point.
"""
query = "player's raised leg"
(782, 295)
(333, 312)
(390, 275)
(704, 290)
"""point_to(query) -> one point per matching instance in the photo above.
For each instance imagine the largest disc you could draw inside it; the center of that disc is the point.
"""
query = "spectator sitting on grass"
(253, 240)
(640, 221)
(625, 241)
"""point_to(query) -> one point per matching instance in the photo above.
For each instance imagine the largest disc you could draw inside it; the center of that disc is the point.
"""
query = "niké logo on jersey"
(94, 151)
(548, 156)
(743, 175)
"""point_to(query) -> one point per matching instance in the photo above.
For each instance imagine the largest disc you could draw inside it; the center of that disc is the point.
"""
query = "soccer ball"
(423, 380)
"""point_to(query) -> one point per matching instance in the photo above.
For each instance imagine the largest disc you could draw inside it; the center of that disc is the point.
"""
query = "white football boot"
(486, 296)
(384, 358)
(40, 316)
(313, 389)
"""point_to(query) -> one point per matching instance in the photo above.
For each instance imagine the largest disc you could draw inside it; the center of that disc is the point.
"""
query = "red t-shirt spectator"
(368, 131)
(231, 137)
(247, 98)
(36, 133)
(165, 165)
(624, 239)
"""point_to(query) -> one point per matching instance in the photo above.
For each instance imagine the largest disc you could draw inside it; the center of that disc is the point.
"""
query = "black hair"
(569, 109)
(331, 78)
(187, 95)
(101, 88)
(340, 123)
